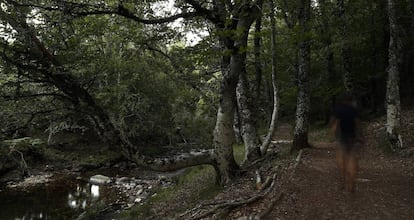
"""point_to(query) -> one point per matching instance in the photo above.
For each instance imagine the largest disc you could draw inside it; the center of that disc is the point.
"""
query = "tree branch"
(82, 9)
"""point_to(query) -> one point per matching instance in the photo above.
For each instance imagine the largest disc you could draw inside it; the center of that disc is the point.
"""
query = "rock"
(137, 200)
(122, 180)
(100, 179)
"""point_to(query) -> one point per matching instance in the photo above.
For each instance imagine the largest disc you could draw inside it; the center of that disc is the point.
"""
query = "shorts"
(347, 144)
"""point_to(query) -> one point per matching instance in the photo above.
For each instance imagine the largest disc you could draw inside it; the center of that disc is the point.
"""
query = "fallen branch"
(282, 142)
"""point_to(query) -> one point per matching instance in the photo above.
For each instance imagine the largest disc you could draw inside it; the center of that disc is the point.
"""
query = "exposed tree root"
(219, 209)
(226, 206)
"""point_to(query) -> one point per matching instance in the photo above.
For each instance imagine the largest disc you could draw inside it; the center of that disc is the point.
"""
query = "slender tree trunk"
(257, 58)
(300, 138)
(329, 57)
(273, 120)
(223, 132)
(393, 84)
(345, 50)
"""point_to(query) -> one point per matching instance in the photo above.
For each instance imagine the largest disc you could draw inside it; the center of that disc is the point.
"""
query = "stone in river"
(99, 179)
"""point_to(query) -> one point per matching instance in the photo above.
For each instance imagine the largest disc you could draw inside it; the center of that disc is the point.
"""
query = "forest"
(224, 106)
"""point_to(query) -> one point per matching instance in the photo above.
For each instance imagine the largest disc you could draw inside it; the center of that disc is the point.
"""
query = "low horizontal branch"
(176, 162)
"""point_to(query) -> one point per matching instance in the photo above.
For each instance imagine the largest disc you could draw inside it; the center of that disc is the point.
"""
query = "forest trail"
(384, 188)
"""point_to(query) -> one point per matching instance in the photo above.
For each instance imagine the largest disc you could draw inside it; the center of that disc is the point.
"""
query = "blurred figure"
(346, 127)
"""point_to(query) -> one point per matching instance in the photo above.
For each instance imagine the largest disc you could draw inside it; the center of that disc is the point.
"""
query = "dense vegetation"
(145, 74)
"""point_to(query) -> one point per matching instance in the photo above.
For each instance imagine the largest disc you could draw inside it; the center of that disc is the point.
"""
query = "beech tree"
(300, 136)
(393, 82)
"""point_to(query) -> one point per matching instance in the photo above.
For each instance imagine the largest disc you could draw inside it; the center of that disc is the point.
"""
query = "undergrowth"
(195, 185)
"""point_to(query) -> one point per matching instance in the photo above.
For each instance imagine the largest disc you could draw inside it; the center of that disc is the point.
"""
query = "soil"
(312, 189)
(383, 190)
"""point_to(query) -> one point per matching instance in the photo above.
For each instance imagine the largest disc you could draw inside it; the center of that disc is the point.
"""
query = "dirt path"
(384, 188)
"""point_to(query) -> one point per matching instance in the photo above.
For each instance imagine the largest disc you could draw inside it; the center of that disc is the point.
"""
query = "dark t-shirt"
(346, 115)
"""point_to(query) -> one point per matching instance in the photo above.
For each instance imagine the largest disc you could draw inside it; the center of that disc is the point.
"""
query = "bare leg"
(351, 171)
(340, 160)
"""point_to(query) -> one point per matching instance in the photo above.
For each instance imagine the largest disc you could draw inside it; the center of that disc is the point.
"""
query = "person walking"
(347, 129)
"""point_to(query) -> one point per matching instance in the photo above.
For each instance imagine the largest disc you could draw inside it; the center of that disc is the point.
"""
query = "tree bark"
(393, 84)
(248, 125)
(300, 138)
(237, 127)
(223, 132)
(273, 120)
(257, 56)
(345, 50)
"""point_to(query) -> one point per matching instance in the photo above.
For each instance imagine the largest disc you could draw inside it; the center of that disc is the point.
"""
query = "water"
(62, 199)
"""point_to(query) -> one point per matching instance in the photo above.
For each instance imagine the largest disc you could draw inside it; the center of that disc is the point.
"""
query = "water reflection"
(60, 200)
(95, 191)
(84, 196)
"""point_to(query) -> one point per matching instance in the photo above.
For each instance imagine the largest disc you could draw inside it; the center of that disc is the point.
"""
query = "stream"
(66, 196)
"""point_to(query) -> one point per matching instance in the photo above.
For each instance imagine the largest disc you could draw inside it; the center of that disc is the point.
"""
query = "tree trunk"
(223, 132)
(257, 58)
(300, 138)
(237, 127)
(393, 84)
(329, 57)
(345, 50)
(273, 120)
(248, 125)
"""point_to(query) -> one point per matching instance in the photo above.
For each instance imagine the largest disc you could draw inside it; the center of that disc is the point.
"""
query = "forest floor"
(383, 190)
(309, 187)
(292, 186)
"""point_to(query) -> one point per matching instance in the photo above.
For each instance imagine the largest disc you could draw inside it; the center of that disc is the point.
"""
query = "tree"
(393, 88)
(275, 112)
(232, 23)
(300, 138)
(345, 50)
